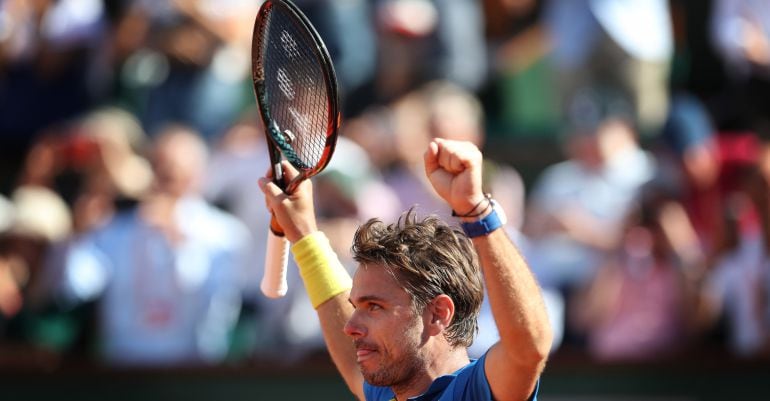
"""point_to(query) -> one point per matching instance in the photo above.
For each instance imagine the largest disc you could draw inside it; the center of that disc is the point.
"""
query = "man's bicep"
(509, 380)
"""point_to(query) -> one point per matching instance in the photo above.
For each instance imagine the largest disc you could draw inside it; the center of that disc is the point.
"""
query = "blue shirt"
(468, 383)
(161, 302)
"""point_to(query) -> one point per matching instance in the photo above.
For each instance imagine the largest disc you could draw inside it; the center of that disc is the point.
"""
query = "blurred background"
(627, 141)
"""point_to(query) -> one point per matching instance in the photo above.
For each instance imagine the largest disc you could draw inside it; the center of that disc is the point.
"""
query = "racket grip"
(276, 260)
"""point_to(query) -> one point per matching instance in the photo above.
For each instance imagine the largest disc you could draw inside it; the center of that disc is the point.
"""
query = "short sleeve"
(472, 384)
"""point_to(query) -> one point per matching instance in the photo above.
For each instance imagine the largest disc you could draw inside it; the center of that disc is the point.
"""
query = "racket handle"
(276, 259)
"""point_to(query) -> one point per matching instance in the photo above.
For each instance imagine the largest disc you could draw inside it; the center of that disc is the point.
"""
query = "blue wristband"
(489, 223)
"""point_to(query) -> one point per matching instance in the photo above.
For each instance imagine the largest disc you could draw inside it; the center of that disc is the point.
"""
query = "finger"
(431, 158)
(262, 183)
(289, 171)
(464, 150)
(460, 155)
(450, 157)
(269, 188)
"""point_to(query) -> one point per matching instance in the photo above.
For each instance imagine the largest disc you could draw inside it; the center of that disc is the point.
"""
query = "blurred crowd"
(132, 229)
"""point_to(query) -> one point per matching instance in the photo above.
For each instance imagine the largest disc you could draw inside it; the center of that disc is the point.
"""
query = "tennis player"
(400, 328)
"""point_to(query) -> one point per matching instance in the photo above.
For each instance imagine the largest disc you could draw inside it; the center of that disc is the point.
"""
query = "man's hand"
(294, 213)
(454, 170)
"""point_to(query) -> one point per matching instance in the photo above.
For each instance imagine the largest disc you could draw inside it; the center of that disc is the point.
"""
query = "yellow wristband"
(320, 268)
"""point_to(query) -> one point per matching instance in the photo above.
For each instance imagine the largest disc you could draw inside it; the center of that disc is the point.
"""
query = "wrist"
(300, 233)
(477, 207)
(320, 269)
(301, 229)
(484, 212)
(492, 219)
(472, 202)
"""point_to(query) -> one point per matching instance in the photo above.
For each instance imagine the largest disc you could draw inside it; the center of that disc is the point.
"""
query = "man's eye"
(374, 307)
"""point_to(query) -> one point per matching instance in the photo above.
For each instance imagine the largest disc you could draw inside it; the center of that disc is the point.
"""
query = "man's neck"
(437, 365)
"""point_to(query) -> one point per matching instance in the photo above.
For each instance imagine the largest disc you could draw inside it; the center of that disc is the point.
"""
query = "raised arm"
(514, 364)
(327, 282)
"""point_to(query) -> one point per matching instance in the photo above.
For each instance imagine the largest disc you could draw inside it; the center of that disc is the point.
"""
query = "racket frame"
(258, 77)
(274, 283)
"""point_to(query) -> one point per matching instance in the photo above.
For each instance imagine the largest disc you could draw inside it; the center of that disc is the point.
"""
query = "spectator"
(637, 306)
(191, 64)
(625, 45)
(439, 109)
(165, 272)
(350, 36)
(93, 163)
(735, 289)
(576, 210)
(37, 218)
(419, 41)
(270, 326)
(692, 162)
(47, 50)
(740, 31)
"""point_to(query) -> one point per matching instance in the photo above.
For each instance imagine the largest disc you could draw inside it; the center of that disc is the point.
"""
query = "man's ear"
(441, 311)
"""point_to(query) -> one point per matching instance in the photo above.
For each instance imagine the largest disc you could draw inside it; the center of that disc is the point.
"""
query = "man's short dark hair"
(428, 258)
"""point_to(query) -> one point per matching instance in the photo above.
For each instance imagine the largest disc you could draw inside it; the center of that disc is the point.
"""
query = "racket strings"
(298, 94)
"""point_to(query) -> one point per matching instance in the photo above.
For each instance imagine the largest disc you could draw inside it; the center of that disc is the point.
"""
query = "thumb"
(431, 158)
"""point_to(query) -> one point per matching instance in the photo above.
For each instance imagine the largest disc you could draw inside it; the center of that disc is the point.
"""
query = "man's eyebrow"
(366, 298)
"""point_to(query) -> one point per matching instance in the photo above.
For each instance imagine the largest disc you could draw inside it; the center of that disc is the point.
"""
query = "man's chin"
(375, 377)
(367, 373)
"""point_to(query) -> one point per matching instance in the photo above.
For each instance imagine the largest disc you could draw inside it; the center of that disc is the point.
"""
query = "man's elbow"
(536, 352)
(544, 342)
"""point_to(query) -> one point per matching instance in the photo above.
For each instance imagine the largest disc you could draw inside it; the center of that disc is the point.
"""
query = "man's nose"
(353, 327)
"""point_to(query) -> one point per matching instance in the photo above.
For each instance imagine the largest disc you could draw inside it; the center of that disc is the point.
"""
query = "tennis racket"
(296, 91)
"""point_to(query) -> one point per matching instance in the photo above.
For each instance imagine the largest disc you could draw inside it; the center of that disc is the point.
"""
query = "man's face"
(388, 334)
(176, 166)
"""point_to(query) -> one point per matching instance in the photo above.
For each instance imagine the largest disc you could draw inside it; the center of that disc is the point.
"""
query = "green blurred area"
(703, 379)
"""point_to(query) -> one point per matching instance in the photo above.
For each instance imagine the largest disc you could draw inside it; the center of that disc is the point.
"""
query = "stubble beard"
(397, 373)
(401, 371)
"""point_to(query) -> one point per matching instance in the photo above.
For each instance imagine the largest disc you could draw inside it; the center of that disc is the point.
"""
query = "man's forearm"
(333, 315)
(328, 285)
(514, 297)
